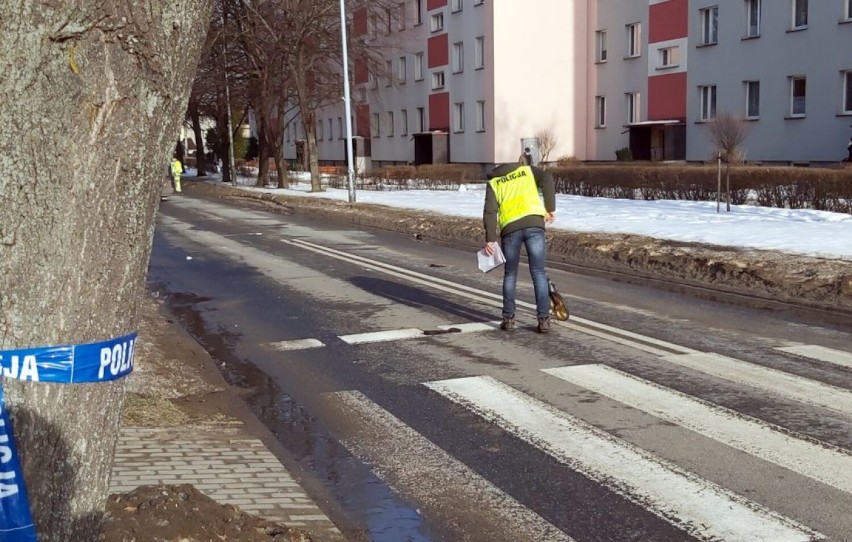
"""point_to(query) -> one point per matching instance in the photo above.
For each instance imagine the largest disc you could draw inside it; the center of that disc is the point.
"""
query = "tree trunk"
(311, 149)
(262, 152)
(281, 166)
(728, 186)
(200, 158)
(102, 87)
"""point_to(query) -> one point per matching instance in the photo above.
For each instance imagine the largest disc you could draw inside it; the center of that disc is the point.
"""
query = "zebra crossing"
(702, 509)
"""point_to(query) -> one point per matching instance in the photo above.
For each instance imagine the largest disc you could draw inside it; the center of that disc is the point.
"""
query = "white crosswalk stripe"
(784, 384)
(820, 353)
(699, 507)
(824, 463)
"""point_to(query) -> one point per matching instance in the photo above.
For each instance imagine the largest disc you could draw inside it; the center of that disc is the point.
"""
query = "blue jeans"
(533, 239)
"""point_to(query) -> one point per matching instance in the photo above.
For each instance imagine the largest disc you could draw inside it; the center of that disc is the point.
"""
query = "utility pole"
(347, 106)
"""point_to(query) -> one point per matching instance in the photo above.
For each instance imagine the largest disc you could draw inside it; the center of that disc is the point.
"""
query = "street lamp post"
(350, 172)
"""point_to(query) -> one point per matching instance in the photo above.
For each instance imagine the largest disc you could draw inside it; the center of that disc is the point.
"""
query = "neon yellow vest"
(177, 169)
(517, 196)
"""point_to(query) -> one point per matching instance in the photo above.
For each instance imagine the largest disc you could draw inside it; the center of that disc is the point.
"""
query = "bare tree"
(728, 132)
(547, 142)
(104, 86)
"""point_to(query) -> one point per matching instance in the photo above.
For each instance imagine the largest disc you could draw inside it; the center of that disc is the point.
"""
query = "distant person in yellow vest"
(514, 208)
(177, 169)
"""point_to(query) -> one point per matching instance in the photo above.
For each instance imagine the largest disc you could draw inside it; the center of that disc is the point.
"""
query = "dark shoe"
(544, 324)
(508, 323)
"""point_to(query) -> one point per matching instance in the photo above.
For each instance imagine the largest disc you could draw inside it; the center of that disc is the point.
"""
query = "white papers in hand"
(487, 263)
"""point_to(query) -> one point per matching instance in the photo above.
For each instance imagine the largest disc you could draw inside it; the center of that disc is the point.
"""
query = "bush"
(432, 176)
(624, 154)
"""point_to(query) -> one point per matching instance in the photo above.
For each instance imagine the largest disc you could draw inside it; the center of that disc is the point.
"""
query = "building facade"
(474, 81)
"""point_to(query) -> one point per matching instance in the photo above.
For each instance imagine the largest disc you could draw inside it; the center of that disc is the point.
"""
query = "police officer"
(514, 207)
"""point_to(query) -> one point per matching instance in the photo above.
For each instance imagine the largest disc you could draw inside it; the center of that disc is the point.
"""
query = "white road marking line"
(416, 467)
(699, 507)
(382, 336)
(824, 463)
(472, 327)
(298, 344)
(820, 353)
(784, 384)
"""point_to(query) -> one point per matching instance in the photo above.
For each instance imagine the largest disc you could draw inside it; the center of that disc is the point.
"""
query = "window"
(319, 130)
(707, 96)
(633, 107)
(388, 73)
(600, 46)
(375, 127)
(373, 80)
(400, 17)
(800, 14)
(362, 95)
(390, 123)
(847, 92)
(752, 99)
(330, 130)
(402, 69)
(458, 57)
(480, 116)
(404, 118)
(418, 8)
(710, 26)
(848, 14)
(798, 95)
(600, 111)
(669, 57)
(458, 117)
(456, 5)
(421, 119)
(437, 22)
(437, 80)
(753, 10)
(339, 127)
(418, 67)
(634, 35)
(479, 52)
(478, 2)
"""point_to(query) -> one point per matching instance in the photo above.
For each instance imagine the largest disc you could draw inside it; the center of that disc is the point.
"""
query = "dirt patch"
(184, 514)
(770, 275)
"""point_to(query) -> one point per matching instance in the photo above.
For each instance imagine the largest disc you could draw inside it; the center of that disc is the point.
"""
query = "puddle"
(373, 510)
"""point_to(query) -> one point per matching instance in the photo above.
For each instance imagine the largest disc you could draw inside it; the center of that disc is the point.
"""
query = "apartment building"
(672, 65)
(473, 81)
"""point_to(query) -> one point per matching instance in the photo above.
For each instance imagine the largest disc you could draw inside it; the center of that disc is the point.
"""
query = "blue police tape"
(84, 363)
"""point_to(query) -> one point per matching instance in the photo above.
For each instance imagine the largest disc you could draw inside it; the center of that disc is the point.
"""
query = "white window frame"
(389, 73)
(402, 70)
(669, 57)
(749, 86)
(634, 107)
(600, 111)
(421, 119)
(709, 25)
(439, 80)
(634, 40)
(456, 5)
(418, 7)
(458, 57)
(403, 113)
(804, 99)
(847, 92)
(340, 129)
(479, 52)
(320, 130)
(418, 67)
(400, 19)
(330, 129)
(373, 81)
(458, 117)
(795, 23)
(436, 21)
(376, 125)
(753, 26)
(478, 2)
(480, 116)
(847, 15)
(706, 103)
(390, 123)
(600, 46)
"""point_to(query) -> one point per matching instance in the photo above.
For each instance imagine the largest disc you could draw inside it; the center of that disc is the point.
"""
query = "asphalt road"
(649, 416)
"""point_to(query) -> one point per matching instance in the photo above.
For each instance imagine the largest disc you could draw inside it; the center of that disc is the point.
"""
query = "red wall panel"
(667, 97)
(439, 51)
(359, 22)
(435, 4)
(362, 74)
(362, 120)
(439, 111)
(668, 20)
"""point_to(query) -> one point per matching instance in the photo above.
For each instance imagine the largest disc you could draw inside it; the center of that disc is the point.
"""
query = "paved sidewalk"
(221, 462)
